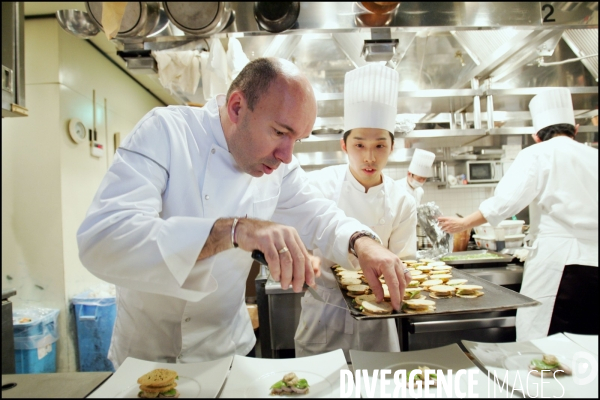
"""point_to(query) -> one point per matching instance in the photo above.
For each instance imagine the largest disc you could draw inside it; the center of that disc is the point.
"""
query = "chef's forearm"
(219, 238)
(474, 219)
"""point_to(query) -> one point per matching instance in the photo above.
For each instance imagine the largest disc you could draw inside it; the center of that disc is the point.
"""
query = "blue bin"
(95, 319)
(35, 333)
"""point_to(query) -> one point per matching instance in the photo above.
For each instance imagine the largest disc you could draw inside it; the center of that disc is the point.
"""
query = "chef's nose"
(284, 151)
(369, 156)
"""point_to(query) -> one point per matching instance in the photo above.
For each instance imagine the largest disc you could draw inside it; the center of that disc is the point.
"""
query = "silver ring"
(406, 270)
(285, 249)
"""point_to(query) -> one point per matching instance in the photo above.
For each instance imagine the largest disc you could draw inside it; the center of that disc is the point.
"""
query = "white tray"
(253, 377)
(196, 380)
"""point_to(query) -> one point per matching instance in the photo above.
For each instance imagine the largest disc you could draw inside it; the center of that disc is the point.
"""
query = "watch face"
(80, 130)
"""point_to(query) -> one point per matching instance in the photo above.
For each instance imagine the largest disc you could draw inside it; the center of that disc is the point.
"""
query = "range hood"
(467, 69)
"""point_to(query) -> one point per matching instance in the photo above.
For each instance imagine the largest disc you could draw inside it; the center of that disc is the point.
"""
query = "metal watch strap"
(356, 235)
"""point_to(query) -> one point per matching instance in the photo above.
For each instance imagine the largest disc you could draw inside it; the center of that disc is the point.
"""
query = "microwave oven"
(480, 171)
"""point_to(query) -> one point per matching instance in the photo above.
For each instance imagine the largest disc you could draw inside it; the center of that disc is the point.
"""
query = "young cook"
(363, 192)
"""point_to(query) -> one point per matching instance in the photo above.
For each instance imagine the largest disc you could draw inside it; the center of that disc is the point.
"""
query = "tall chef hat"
(371, 98)
(421, 163)
(552, 107)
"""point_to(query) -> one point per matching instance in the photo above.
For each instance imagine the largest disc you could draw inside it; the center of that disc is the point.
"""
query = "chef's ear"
(236, 103)
(343, 144)
(576, 130)
(536, 138)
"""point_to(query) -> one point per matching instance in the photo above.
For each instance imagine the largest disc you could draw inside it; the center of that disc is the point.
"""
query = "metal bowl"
(78, 23)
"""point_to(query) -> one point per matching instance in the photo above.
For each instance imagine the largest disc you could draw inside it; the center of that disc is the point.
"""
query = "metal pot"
(139, 20)
(198, 18)
(327, 131)
(277, 16)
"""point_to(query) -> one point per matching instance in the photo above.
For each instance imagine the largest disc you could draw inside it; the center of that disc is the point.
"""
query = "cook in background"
(418, 172)
(558, 179)
(190, 193)
(363, 192)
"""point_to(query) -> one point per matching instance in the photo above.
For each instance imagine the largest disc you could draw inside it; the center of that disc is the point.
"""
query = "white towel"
(236, 58)
(178, 70)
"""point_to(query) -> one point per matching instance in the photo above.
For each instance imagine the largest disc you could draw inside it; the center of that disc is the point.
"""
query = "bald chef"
(363, 192)
(418, 172)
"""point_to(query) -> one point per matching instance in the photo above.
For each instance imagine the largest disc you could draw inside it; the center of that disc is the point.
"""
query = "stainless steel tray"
(504, 258)
(495, 298)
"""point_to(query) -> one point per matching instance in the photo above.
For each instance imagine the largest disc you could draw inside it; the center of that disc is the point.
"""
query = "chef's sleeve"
(519, 186)
(319, 222)
(124, 240)
(403, 239)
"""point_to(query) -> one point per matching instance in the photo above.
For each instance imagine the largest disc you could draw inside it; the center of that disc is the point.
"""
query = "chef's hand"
(294, 265)
(375, 260)
(452, 224)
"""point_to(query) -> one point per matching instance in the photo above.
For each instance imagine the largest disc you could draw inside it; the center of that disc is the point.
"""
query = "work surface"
(57, 385)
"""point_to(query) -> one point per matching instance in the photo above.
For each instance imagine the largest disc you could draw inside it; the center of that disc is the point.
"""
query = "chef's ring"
(406, 271)
(285, 249)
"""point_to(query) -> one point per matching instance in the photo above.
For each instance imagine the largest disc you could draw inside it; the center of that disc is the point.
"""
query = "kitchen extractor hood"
(465, 69)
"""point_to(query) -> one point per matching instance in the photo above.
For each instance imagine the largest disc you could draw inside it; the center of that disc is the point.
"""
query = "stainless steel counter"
(57, 385)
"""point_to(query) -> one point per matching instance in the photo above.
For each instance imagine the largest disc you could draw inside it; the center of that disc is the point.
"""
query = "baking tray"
(504, 258)
(495, 298)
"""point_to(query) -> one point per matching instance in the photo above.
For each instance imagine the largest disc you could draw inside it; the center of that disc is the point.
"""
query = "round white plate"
(187, 387)
(319, 386)
(521, 361)
(410, 365)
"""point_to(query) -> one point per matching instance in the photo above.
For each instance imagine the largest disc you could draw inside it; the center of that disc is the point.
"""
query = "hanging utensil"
(77, 23)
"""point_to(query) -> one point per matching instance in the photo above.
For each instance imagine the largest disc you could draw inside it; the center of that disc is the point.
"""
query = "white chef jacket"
(172, 178)
(558, 179)
(389, 211)
(417, 193)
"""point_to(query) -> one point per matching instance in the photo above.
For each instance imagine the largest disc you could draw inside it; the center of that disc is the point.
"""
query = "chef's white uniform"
(172, 178)
(389, 211)
(416, 193)
(558, 179)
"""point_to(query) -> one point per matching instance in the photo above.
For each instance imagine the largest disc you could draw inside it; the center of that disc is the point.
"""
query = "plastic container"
(35, 332)
(510, 228)
(510, 241)
(95, 314)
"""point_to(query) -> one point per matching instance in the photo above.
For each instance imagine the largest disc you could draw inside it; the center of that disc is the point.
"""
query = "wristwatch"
(360, 234)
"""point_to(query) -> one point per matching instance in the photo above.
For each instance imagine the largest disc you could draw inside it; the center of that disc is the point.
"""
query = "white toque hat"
(421, 163)
(551, 107)
(371, 98)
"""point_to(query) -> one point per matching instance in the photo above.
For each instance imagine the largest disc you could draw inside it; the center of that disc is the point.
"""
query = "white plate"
(188, 388)
(509, 362)
(318, 384)
(588, 342)
(203, 379)
(253, 377)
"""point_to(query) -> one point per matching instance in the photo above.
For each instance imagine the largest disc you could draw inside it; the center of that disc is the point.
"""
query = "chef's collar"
(359, 186)
(212, 107)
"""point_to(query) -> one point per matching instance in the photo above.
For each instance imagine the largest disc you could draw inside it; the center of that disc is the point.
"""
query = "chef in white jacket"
(188, 197)
(558, 179)
(362, 190)
(419, 170)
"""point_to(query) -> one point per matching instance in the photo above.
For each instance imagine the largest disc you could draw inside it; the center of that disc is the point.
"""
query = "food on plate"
(345, 282)
(290, 384)
(358, 300)
(431, 282)
(464, 257)
(349, 274)
(442, 268)
(158, 383)
(420, 376)
(425, 268)
(415, 272)
(374, 308)
(549, 364)
(420, 278)
(418, 306)
(357, 290)
(437, 264)
(408, 262)
(413, 283)
(456, 282)
(426, 260)
(412, 293)
(442, 277)
(386, 292)
(441, 291)
(469, 291)
(335, 267)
